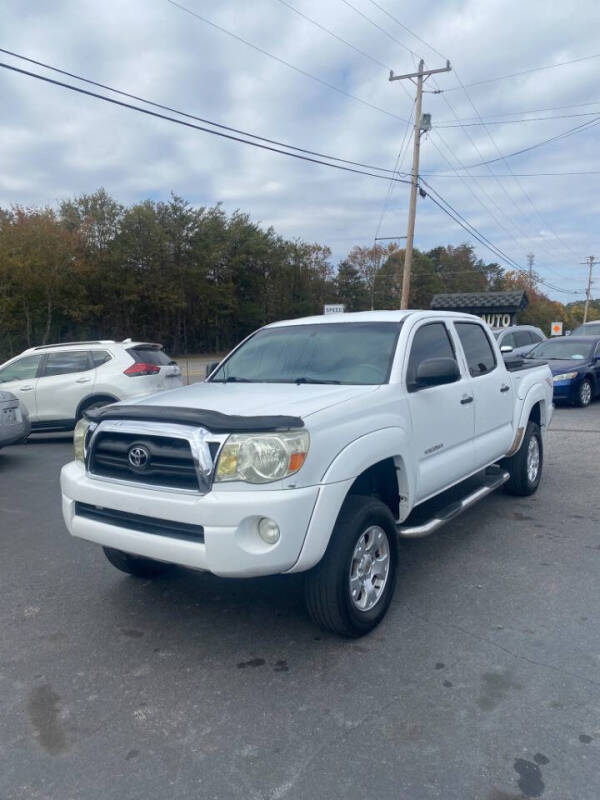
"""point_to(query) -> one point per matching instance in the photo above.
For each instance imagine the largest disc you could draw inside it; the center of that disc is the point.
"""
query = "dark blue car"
(575, 365)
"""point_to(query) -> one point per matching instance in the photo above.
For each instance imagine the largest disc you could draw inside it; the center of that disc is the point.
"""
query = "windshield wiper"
(313, 380)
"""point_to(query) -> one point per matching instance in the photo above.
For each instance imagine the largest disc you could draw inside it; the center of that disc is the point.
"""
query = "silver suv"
(518, 339)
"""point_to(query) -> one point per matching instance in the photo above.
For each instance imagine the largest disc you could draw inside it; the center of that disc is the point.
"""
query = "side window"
(22, 370)
(522, 338)
(65, 363)
(535, 337)
(508, 339)
(477, 347)
(430, 341)
(100, 357)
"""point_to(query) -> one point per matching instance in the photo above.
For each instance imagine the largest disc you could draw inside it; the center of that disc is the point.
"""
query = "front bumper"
(231, 547)
(565, 391)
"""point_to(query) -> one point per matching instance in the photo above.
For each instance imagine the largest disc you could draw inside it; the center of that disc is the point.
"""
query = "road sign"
(334, 308)
(556, 329)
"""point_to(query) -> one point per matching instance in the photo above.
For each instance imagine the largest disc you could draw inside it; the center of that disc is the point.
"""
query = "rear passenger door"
(492, 391)
(66, 378)
(442, 416)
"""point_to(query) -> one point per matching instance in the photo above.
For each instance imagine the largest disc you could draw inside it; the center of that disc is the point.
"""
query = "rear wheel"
(525, 467)
(135, 565)
(94, 403)
(584, 394)
(350, 589)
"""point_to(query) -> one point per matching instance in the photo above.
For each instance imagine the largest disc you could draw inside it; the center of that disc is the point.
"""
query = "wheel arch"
(92, 398)
(375, 461)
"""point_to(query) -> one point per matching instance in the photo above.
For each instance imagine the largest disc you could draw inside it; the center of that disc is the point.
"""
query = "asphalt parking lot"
(483, 682)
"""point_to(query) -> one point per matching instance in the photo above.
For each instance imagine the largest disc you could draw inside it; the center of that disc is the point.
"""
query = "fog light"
(268, 530)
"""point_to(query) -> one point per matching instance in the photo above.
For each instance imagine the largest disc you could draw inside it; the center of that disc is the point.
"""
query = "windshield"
(563, 348)
(345, 353)
(590, 329)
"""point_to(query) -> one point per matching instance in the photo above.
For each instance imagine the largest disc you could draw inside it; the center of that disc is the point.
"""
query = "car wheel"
(135, 565)
(584, 394)
(525, 467)
(93, 404)
(350, 589)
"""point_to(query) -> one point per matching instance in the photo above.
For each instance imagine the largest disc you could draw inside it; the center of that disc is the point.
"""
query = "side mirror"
(210, 367)
(436, 371)
(506, 348)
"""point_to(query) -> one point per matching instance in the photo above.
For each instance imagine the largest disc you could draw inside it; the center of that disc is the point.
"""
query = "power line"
(536, 110)
(513, 174)
(522, 72)
(193, 116)
(448, 209)
(462, 123)
(563, 135)
(331, 33)
(282, 61)
(504, 159)
(408, 30)
(195, 127)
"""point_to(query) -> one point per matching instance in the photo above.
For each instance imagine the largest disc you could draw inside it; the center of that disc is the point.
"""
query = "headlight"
(261, 458)
(79, 439)
(565, 376)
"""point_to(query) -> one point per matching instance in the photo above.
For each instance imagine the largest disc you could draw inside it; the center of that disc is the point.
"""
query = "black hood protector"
(213, 421)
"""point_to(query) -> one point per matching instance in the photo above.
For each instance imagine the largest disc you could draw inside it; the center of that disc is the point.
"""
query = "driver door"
(20, 378)
(443, 417)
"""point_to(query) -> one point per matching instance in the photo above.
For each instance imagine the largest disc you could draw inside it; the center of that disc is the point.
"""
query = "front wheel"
(135, 565)
(525, 467)
(584, 393)
(351, 588)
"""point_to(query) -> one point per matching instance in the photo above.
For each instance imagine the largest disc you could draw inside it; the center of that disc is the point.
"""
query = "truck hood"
(248, 399)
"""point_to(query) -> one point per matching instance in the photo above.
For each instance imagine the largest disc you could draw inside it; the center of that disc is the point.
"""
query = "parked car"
(310, 448)
(58, 382)
(14, 420)
(575, 364)
(518, 339)
(587, 329)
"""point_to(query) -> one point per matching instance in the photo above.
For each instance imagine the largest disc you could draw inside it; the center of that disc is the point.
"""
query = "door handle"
(83, 380)
(505, 388)
(26, 388)
(466, 399)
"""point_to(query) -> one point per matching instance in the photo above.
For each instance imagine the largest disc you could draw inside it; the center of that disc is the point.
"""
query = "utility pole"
(421, 76)
(590, 261)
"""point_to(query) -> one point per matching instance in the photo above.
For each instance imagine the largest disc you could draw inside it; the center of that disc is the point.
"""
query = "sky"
(56, 144)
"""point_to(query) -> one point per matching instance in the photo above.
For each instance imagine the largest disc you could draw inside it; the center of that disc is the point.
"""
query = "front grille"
(169, 463)
(141, 523)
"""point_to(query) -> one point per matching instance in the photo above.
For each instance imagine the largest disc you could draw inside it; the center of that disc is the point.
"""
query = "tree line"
(198, 279)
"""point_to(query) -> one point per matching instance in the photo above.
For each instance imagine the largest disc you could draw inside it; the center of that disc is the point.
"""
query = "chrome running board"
(493, 480)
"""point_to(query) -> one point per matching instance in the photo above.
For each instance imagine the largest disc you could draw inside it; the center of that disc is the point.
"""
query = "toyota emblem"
(138, 456)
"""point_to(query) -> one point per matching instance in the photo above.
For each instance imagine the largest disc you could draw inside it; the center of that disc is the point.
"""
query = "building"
(498, 309)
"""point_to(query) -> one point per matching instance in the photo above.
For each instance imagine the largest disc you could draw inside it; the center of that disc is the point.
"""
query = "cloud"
(57, 144)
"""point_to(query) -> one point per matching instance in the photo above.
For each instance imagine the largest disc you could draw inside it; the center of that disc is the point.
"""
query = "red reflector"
(140, 368)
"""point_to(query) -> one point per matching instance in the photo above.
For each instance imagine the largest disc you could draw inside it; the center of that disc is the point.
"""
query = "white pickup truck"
(312, 447)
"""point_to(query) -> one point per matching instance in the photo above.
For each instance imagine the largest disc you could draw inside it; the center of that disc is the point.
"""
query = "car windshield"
(563, 348)
(344, 353)
(590, 329)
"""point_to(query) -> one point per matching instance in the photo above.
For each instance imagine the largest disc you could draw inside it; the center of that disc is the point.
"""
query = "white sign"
(497, 320)
(556, 329)
(334, 308)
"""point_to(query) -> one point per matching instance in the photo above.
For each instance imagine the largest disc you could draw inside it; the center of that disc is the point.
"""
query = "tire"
(524, 481)
(584, 393)
(328, 593)
(135, 565)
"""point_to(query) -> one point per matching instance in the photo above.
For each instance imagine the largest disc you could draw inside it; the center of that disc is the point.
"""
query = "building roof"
(480, 302)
